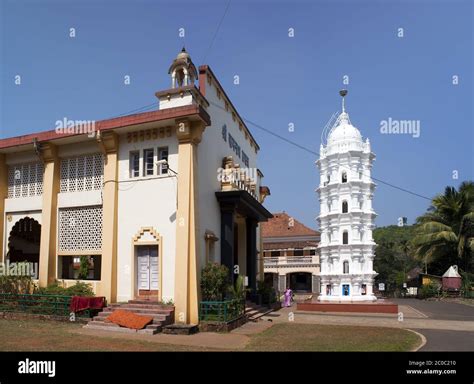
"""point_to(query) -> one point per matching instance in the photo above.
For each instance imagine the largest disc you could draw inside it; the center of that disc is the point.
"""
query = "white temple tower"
(346, 218)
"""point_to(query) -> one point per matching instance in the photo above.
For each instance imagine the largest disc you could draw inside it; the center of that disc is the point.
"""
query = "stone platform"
(360, 307)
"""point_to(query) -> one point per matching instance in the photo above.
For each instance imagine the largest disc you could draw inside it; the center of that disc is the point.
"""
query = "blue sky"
(282, 80)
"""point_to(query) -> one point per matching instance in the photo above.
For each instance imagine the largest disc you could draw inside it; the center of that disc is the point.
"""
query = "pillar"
(227, 238)
(108, 143)
(3, 196)
(251, 228)
(49, 219)
(187, 270)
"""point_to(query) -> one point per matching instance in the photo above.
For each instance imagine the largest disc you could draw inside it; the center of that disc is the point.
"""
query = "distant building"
(290, 254)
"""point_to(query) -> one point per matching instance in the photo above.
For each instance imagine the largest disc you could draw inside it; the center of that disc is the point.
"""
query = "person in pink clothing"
(288, 297)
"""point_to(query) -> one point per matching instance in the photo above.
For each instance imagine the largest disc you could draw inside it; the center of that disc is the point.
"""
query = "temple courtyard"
(424, 325)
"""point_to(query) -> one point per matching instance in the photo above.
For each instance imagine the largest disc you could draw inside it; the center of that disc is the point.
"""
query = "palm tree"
(445, 232)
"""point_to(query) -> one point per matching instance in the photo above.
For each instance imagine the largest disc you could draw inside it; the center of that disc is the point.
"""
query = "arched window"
(344, 177)
(345, 237)
(345, 207)
(345, 267)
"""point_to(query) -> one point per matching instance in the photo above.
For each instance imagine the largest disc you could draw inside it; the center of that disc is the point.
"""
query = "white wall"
(146, 203)
(211, 152)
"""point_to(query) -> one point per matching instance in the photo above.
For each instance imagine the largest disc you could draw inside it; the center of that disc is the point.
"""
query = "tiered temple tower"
(346, 219)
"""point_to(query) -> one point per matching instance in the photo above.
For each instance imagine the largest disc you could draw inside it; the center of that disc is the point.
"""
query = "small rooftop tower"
(182, 92)
(182, 70)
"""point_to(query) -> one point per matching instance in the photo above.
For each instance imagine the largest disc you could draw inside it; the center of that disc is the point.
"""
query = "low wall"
(349, 307)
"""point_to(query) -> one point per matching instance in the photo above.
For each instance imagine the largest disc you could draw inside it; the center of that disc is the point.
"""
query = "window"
(345, 237)
(344, 177)
(363, 289)
(148, 163)
(25, 180)
(360, 175)
(69, 267)
(134, 164)
(80, 229)
(82, 173)
(312, 252)
(163, 155)
(298, 252)
(224, 132)
(345, 267)
(345, 207)
(275, 254)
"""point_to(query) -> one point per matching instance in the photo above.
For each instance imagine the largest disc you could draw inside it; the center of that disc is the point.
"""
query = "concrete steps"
(162, 316)
(255, 312)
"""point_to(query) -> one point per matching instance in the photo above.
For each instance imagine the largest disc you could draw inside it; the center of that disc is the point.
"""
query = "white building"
(346, 219)
(148, 198)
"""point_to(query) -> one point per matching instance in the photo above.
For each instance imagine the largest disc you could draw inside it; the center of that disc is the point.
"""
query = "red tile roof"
(283, 225)
(110, 124)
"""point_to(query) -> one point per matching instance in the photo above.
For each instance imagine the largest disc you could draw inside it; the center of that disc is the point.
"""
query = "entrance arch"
(300, 281)
(24, 241)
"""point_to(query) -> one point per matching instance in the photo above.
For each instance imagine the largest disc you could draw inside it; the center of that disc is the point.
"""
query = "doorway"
(147, 270)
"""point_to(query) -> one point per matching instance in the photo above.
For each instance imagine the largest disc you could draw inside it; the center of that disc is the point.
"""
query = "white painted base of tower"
(347, 299)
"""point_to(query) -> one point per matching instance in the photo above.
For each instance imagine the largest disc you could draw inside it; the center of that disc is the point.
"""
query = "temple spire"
(343, 93)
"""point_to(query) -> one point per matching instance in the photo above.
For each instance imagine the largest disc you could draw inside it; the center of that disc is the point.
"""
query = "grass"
(36, 335)
(312, 337)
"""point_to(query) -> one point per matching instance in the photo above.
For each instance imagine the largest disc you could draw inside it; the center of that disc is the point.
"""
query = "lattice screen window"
(80, 229)
(82, 173)
(25, 180)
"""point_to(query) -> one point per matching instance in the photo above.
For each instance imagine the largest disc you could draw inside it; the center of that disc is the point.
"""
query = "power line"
(317, 153)
(216, 32)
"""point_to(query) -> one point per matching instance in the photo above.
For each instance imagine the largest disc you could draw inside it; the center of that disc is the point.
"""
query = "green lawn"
(312, 337)
(35, 335)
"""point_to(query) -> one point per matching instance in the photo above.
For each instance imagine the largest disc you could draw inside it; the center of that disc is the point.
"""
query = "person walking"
(288, 297)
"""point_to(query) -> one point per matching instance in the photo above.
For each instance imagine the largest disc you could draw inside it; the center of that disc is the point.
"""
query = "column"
(251, 227)
(227, 238)
(187, 270)
(49, 230)
(109, 144)
(3, 196)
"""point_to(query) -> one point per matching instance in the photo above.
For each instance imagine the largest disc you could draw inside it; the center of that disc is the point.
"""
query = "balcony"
(290, 261)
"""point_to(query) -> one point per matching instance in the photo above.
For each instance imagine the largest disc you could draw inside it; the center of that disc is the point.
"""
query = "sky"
(404, 61)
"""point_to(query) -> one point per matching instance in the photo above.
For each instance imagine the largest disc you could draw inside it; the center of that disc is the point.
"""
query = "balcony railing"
(288, 261)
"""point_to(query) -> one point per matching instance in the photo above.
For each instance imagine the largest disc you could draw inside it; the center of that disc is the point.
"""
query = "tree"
(83, 267)
(394, 256)
(445, 233)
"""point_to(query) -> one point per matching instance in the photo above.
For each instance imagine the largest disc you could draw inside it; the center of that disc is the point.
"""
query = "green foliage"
(79, 289)
(214, 282)
(84, 268)
(238, 291)
(269, 295)
(394, 255)
(17, 284)
(429, 290)
(467, 283)
(445, 233)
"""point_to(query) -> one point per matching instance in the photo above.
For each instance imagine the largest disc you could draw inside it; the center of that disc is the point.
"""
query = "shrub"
(17, 284)
(429, 290)
(269, 295)
(238, 291)
(214, 282)
(79, 289)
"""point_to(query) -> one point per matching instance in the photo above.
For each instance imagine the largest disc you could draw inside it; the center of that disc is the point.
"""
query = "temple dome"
(344, 130)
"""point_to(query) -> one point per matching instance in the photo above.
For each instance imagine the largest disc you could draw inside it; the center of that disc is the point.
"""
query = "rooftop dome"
(183, 54)
(343, 130)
